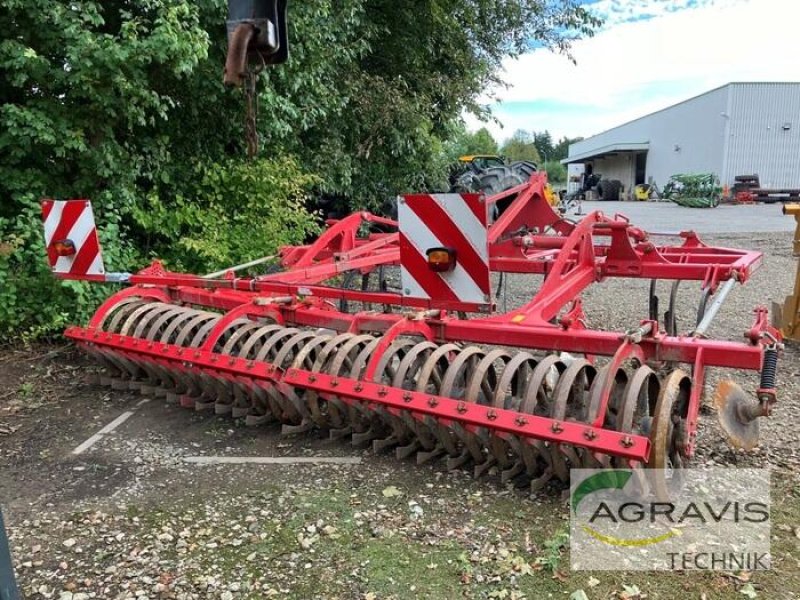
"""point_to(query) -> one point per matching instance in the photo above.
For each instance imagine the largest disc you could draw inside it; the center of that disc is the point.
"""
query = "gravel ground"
(131, 519)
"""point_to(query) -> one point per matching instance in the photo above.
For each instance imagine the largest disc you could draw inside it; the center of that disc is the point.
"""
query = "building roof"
(607, 151)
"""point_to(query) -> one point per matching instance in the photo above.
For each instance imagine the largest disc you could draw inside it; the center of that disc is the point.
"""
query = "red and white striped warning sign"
(73, 248)
(457, 223)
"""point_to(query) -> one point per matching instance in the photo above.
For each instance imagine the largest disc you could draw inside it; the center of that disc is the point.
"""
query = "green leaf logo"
(612, 479)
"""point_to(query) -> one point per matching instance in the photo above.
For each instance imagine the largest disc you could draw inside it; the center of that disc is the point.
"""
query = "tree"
(84, 89)
(521, 146)
(405, 73)
(561, 149)
(122, 102)
(544, 144)
(462, 142)
(481, 142)
(556, 172)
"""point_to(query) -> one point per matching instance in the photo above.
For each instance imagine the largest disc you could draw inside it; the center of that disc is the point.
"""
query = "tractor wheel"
(616, 188)
(498, 179)
(524, 168)
(608, 190)
(602, 190)
(465, 183)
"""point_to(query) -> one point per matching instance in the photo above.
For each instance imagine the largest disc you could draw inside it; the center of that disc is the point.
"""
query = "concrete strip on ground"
(273, 460)
(726, 218)
(107, 429)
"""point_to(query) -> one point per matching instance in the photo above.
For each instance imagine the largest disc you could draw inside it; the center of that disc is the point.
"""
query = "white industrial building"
(736, 129)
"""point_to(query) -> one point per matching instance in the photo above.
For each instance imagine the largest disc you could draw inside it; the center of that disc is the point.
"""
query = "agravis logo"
(714, 519)
(611, 479)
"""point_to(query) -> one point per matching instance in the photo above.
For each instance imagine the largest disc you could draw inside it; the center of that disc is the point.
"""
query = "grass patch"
(467, 544)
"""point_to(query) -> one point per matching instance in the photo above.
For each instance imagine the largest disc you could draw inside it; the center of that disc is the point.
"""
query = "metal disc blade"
(731, 400)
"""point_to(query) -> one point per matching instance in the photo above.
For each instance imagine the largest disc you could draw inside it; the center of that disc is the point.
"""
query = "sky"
(649, 54)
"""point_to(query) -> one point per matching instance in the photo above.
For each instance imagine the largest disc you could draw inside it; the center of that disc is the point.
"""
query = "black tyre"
(466, 182)
(616, 189)
(494, 179)
(608, 190)
(524, 168)
(602, 190)
(498, 179)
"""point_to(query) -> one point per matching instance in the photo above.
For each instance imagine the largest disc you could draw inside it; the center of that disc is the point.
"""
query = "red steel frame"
(528, 237)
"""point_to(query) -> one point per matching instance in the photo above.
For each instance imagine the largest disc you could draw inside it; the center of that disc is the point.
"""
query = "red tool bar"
(326, 270)
(716, 353)
(297, 289)
(615, 443)
(522, 334)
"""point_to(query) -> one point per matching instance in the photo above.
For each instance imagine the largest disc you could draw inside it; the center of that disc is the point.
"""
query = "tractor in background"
(492, 174)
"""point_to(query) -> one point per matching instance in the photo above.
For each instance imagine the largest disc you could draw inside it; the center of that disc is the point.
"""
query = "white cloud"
(631, 68)
(615, 12)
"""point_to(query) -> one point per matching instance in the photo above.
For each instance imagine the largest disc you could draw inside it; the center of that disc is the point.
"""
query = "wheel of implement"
(480, 390)
(412, 433)
(430, 380)
(539, 400)
(509, 394)
(614, 381)
(456, 384)
(633, 416)
(667, 432)
(385, 372)
(571, 402)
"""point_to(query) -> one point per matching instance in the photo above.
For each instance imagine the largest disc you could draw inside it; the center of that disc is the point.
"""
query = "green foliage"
(544, 144)
(554, 547)
(561, 149)
(82, 92)
(464, 142)
(122, 102)
(229, 212)
(545, 147)
(556, 172)
(373, 87)
(521, 146)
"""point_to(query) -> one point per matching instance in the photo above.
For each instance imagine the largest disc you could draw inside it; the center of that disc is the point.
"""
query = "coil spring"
(769, 368)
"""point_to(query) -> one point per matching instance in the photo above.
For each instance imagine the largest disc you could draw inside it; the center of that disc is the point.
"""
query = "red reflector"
(441, 259)
(64, 247)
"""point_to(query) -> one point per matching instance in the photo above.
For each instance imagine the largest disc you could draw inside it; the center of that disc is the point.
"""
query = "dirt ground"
(130, 518)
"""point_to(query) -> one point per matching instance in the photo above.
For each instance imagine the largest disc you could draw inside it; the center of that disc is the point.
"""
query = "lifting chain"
(251, 109)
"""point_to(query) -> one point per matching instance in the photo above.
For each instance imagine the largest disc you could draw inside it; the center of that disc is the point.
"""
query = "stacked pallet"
(747, 190)
(770, 196)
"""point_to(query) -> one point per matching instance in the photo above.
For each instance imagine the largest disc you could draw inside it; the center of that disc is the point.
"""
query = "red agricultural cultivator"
(385, 331)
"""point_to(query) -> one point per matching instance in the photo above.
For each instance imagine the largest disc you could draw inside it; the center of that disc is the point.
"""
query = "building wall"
(757, 140)
(734, 130)
(684, 138)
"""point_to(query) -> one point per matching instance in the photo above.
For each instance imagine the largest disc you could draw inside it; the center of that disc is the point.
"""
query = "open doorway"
(641, 168)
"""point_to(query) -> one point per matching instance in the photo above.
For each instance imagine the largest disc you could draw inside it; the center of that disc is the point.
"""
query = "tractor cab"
(479, 162)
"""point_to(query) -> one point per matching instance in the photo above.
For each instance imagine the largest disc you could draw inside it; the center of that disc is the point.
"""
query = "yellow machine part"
(641, 192)
(550, 195)
(787, 316)
(471, 157)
